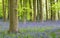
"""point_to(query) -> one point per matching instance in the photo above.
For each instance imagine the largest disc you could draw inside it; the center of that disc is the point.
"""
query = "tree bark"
(38, 10)
(35, 10)
(52, 11)
(30, 3)
(13, 16)
(41, 11)
(4, 11)
(46, 9)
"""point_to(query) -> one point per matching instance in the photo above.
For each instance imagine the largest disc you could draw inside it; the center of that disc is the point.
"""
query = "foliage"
(1, 14)
(24, 10)
(56, 6)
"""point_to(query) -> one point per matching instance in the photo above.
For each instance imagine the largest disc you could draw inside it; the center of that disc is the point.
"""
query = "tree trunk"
(38, 10)
(34, 9)
(41, 11)
(56, 11)
(13, 16)
(47, 9)
(4, 11)
(52, 11)
(31, 11)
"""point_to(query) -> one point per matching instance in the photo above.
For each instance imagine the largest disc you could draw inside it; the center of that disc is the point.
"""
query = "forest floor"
(34, 29)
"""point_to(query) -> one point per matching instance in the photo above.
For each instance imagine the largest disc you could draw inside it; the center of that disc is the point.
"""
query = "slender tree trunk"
(21, 4)
(4, 11)
(30, 3)
(13, 16)
(8, 8)
(56, 11)
(25, 11)
(52, 11)
(47, 9)
(38, 10)
(41, 11)
(58, 15)
(34, 9)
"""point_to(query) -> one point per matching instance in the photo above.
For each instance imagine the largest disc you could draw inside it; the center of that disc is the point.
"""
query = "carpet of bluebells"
(46, 29)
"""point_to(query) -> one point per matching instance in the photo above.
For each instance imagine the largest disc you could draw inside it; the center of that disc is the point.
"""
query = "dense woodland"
(29, 10)
(30, 17)
(32, 10)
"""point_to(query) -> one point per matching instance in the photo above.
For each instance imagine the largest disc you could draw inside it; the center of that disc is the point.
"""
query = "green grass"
(35, 29)
(25, 33)
(56, 33)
